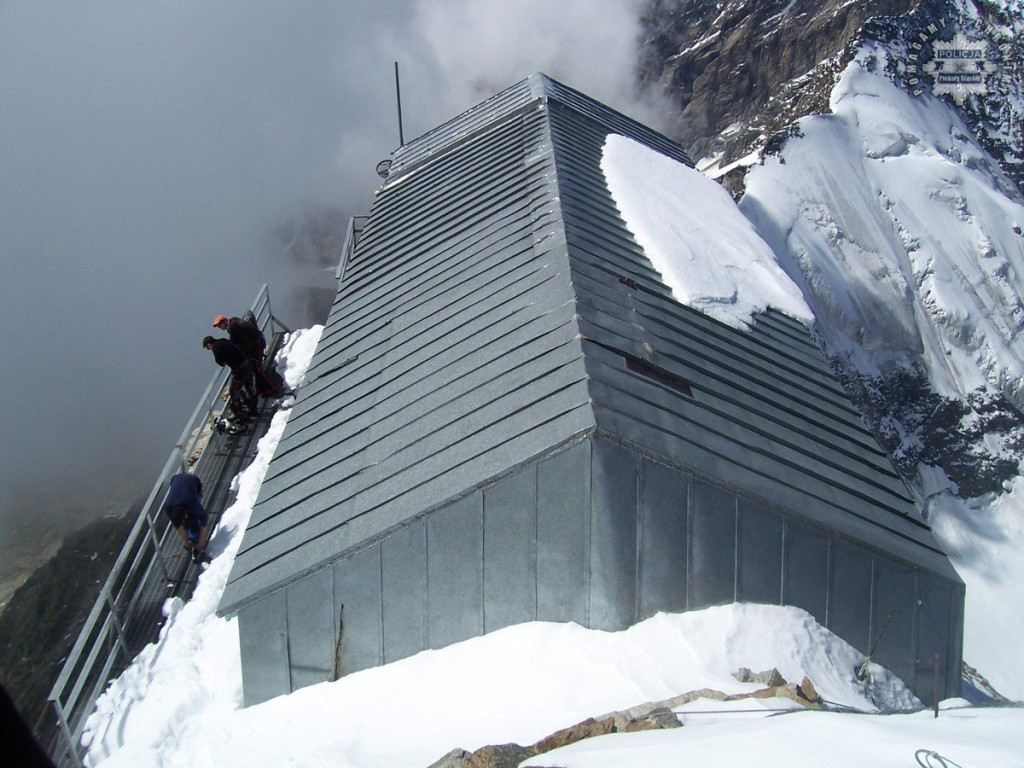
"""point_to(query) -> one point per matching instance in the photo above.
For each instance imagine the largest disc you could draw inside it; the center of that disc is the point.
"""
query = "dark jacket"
(247, 337)
(227, 353)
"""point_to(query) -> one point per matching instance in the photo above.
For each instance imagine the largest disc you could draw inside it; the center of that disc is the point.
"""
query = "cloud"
(480, 47)
(148, 150)
(152, 153)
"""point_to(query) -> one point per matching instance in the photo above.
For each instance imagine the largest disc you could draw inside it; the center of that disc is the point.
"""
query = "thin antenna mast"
(398, 97)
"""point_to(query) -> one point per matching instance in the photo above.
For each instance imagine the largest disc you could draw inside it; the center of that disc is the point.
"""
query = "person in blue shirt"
(184, 506)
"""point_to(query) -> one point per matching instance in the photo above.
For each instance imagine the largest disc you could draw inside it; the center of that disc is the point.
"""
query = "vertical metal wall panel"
(563, 536)
(934, 619)
(759, 562)
(357, 611)
(510, 558)
(263, 646)
(849, 613)
(892, 619)
(311, 630)
(664, 500)
(404, 591)
(613, 540)
(805, 569)
(455, 579)
(956, 642)
(712, 546)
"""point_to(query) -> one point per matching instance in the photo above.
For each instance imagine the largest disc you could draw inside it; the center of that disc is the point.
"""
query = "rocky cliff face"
(42, 620)
(741, 71)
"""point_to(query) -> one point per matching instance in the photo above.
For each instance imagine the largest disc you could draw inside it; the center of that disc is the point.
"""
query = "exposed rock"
(770, 677)
(457, 758)
(500, 756)
(583, 730)
(656, 715)
(978, 442)
(808, 693)
(512, 755)
(42, 619)
(657, 719)
(741, 71)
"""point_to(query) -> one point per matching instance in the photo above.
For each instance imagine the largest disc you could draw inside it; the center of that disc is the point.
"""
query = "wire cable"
(928, 758)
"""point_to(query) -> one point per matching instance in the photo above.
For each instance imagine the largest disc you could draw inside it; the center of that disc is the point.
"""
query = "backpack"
(269, 383)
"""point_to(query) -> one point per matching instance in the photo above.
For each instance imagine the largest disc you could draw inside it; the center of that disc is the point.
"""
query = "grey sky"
(148, 151)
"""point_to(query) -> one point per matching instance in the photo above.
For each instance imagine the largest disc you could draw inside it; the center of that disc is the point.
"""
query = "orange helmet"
(218, 320)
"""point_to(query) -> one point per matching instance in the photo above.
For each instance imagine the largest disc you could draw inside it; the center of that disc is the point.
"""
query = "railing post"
(65, 729)
(279, 324)
(156, 546)
(118, 629)
(351, 235)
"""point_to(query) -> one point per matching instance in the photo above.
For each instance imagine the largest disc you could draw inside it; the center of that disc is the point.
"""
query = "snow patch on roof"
(706, 251)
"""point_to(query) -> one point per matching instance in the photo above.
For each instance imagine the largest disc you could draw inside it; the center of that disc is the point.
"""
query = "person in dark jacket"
(243, 389)
(245, 335)
(184, 506)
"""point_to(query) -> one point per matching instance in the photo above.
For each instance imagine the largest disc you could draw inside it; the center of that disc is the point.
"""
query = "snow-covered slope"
(896, 224)
(892, 218)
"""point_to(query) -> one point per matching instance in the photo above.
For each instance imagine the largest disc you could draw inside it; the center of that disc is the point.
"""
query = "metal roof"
(497, 309)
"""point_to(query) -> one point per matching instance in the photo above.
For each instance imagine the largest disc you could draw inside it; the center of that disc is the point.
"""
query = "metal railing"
(355, 229)
(127, 614)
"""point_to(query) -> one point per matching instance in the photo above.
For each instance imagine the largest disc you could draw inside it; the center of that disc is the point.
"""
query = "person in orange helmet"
(245, 335)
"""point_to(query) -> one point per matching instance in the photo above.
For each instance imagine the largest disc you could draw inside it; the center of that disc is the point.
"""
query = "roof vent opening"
(660, 375)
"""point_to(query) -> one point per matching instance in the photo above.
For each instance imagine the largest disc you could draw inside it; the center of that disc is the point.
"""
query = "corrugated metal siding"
(450, 355)
(482, 116)
(536, 90)
(758, 410)
(603, 536)
(451, 352)
(509, 418)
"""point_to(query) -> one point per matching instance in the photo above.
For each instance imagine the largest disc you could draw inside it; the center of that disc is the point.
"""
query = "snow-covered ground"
(894, 222)
(840, 220)
(179, 704)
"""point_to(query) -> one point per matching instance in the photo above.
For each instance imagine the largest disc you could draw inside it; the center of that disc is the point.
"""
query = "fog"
(159, 162)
